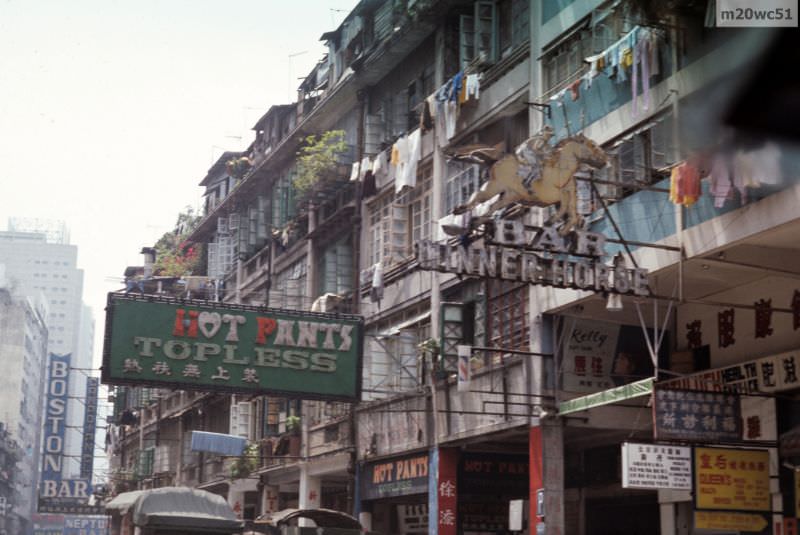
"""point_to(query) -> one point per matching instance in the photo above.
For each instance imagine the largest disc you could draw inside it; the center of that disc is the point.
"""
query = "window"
(420, 208)
(381, 235)
(492, 31)
(508, 315)
(463, 181)
(283, 200)
(417, 90)
(637, 157)
(336, 270)
(396, 223)
(564, 63)
(288, 288)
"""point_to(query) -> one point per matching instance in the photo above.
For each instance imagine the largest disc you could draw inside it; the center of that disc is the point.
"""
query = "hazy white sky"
(112, 111)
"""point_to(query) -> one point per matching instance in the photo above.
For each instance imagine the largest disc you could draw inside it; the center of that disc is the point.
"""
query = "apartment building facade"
(486, 400)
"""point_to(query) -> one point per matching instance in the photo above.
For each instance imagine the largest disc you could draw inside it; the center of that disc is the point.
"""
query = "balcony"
(279, 450)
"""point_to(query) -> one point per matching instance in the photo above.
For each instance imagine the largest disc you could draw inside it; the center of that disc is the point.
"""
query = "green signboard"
(606, 397)
(201, 345)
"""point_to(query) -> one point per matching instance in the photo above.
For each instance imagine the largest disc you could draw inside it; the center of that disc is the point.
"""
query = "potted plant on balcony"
(293, 425)
(293, 428)
(246, 463)
(321, 157)
(430, 352)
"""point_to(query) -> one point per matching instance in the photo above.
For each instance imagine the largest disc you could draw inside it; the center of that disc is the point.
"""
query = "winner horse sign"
(538, 175)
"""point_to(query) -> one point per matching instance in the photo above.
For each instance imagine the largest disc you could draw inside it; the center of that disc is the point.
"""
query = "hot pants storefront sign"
(212, 346)
(395, 477)
(540, 256)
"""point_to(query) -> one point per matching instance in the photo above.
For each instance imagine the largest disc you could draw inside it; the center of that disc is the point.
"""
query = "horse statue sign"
(538, 175)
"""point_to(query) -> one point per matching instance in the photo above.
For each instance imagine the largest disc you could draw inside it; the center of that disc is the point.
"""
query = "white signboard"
(412, 518)
(589, 354)
(656, 466)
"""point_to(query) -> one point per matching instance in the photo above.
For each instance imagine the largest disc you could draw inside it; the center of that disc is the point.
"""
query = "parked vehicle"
(172, 511)
(326, 522)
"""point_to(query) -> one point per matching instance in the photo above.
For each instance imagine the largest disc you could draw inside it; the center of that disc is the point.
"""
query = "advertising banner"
(446, 494)
(70, 505)
(729, 521)
(486, 483)
(47, 524)
(656, 466)
(775, 373)
(184, 344)
(589, 352)
(58, 495)
(85, 525)
(89, 428)
(697, 416)
(55, 419)
(395, 477)
(600, 356)
(412, 519)
(732, 479)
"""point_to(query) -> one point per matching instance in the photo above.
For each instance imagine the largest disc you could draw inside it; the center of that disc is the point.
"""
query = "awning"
(395, 329)
(606, 397)
(122, 503)
(178, 508)
(217, 443)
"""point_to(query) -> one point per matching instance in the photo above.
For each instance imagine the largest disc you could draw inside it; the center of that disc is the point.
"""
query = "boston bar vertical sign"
(55, 423)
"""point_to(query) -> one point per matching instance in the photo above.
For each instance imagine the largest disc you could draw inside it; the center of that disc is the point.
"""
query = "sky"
(112, 111)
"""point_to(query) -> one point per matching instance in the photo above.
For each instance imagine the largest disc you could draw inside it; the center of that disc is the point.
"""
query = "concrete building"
(40, 260)
(23, 346)
(560, 370)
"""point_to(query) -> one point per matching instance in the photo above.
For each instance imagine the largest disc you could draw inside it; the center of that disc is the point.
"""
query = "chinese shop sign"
(237, 348)
(443, 492)
(524, 254)
(775, 373)
(485, 484)
(729, 521)
(731, 479)
(395, 477)
(89, 428)
(656, 466)
(697, 416)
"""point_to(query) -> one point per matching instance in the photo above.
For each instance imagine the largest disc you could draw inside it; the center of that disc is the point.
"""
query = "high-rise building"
(40, 260)
(23, 347)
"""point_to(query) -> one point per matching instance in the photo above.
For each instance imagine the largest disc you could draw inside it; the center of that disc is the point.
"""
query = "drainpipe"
(676, 142)
(363, 100)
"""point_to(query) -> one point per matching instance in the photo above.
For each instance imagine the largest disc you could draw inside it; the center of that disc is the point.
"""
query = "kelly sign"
(237, 348)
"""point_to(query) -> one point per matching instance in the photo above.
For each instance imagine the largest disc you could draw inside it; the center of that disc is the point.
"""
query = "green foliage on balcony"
(246, 463)
(319, 158)
(175, 257)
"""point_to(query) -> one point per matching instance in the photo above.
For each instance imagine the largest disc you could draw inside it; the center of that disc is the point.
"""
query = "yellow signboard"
(729, 521)
(732, 479)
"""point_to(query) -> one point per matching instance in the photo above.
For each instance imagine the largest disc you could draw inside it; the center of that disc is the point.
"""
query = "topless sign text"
(541, 257)
(212, 346)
